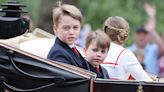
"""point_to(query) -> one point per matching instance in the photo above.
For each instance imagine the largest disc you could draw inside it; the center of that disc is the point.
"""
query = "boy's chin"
(95, 64)
(70, 43)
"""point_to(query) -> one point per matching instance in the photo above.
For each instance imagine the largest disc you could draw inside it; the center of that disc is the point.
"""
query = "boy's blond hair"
(103, 41)
(117, 29)
(66, 9)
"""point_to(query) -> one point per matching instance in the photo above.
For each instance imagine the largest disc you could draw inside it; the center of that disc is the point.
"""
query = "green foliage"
(96, 11)
(33, 7)
(1, 1)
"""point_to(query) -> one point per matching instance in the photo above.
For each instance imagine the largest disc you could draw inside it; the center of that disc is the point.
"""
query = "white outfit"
(121, 63)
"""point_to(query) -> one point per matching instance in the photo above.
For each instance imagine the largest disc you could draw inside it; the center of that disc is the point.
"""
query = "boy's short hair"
(102, 39)
(66, 9)
(116, 28)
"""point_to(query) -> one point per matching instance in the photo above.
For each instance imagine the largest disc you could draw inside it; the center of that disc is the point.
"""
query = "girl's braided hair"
(117, 29)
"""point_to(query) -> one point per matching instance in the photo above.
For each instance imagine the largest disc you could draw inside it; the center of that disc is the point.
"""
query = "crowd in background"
(148, 45)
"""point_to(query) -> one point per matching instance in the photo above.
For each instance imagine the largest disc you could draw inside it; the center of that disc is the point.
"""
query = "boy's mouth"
(71, 38)
(97, 60)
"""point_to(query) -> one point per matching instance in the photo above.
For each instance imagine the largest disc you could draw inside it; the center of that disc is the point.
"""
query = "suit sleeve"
(59, 56)
(133, 67)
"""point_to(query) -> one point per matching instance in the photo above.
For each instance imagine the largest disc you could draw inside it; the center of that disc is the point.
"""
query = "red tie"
(97, 68)
(75, 50)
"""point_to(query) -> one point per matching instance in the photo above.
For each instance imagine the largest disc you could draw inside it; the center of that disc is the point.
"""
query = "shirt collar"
(73, 45)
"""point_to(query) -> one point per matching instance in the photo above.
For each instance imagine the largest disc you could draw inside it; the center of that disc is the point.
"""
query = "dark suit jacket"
(104, 73)
(2, 79)
(61, 52)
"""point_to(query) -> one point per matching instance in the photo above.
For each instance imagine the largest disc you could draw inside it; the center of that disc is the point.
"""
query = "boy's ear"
(84, 49)
(55, 28)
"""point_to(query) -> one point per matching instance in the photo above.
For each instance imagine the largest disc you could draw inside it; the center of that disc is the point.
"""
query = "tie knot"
(73, 48)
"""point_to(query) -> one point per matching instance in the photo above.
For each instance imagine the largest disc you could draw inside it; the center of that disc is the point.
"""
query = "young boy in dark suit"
(67, 24)
(96, 49)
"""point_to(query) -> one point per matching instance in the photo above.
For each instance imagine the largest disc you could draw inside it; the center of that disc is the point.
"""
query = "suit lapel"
(77, 61)
(104, 72)
(93, 69)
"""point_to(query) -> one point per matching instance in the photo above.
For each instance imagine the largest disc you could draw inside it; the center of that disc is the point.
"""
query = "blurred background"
(95, 12)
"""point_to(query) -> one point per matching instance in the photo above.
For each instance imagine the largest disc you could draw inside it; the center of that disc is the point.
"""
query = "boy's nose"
(71, 30)
(99, 54)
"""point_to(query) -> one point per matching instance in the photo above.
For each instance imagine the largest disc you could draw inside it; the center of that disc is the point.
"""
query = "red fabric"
(119, 56)
(114, 78)
(116, 63)
(76, 52)
(131, 77)
(110, 63)
(98, 70)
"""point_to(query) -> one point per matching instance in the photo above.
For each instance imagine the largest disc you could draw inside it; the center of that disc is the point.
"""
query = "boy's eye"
(66, 27)
(103, 51)
(76, 27)
(95, 49)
